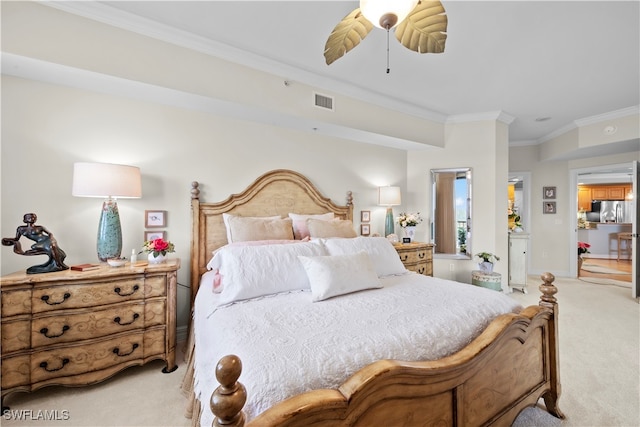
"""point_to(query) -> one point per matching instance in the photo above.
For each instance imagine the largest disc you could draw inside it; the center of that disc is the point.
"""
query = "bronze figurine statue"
(45, 244)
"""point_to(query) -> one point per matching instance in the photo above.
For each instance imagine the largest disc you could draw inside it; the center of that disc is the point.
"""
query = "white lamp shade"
(389, 196)
(373, 10)
(106, 180)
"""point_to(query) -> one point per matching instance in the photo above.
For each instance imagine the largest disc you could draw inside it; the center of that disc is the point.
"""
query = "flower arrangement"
(514, 218)
(487, 257)
(158, 247)
(409, 219)
(583, 248)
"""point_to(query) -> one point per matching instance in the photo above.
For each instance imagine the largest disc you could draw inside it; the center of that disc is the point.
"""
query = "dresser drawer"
(420, 268)
(155, 286)
(411, 256)
(77, 359)
(89, 295)
(16, 302)
(16, 334)
(88, 324)
(15, 371)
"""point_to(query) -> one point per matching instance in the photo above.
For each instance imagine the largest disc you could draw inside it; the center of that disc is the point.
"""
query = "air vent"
(323, 101)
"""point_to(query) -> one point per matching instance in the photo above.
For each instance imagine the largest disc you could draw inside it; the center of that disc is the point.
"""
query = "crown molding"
(612, 115)
(478, 117)
(127, 21)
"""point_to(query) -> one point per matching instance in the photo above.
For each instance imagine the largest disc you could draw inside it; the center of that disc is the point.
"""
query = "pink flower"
(583, 248)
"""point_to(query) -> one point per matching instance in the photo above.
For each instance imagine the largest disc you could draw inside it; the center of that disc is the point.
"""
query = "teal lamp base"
(109, 231)
(388, 223)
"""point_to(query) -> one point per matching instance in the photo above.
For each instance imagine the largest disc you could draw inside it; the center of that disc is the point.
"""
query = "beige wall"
(46, 128)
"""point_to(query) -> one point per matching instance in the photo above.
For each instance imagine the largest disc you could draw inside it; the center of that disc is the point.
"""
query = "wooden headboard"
(278, 192)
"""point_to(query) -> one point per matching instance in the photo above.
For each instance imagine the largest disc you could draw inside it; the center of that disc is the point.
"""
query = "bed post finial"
(195, 190)
(228, 399)
(349, 198)
(548, 290)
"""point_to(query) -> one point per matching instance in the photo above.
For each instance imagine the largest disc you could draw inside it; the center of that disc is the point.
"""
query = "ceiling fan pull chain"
(387, 50)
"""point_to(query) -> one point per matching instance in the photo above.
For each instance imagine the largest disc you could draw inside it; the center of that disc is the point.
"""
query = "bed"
(503, 358)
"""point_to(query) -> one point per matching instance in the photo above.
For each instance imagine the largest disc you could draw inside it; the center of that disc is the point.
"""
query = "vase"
(580, 261)
(409, 231)
(486, 267)
(156, 259)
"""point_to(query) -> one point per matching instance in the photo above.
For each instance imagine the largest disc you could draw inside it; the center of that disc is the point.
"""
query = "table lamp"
(108, 181)
(389, 196)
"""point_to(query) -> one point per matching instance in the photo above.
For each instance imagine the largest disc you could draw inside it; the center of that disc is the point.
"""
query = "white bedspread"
(289, 344)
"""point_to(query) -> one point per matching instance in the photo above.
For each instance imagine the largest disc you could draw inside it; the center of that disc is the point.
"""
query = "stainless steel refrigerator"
(616, 211)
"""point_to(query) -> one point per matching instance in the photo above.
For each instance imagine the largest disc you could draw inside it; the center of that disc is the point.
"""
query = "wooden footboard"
(509, 367)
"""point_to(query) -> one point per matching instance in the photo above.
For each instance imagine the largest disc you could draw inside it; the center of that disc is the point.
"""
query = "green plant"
(487, 257)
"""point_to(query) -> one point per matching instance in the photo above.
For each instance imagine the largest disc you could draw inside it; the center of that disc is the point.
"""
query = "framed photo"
(365, 229)
(365, 216)
(548, 192)
(155, 219)
(153, 235)
(549, 207)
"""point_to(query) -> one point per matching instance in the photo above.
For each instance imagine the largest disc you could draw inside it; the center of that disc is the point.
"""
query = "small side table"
(486, 279)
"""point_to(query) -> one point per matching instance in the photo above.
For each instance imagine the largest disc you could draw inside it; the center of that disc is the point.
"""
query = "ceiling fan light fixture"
(386, 14)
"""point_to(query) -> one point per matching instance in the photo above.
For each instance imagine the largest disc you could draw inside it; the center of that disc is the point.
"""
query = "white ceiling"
(566, 60)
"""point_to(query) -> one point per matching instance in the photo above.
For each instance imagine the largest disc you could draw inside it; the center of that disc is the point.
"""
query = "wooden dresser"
(78, 328)
(416, 256)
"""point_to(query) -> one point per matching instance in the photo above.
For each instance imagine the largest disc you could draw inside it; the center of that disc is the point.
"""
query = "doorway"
(611, 257)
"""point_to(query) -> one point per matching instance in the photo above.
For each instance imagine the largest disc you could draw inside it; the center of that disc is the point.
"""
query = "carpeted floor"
(599, 358)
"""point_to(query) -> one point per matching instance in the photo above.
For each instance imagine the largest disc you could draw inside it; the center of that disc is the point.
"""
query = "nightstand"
(80, 327)
(416, 256)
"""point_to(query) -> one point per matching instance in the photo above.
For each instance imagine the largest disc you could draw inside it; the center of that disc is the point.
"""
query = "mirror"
(451, 216)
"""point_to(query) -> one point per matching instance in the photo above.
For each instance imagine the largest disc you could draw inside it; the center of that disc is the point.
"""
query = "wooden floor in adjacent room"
(624, 266)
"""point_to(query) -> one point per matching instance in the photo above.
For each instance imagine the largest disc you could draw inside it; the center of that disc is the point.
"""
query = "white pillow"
(332, 228)
(330, 276)
(383, 255)
(242, 228)
(254, 271)
(300, 228)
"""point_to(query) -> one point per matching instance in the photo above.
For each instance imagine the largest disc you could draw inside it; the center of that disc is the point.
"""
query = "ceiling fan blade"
(425, 29)
(346, 35)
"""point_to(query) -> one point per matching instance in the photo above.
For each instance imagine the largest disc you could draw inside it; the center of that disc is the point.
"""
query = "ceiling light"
(542, 119)
(386, 14)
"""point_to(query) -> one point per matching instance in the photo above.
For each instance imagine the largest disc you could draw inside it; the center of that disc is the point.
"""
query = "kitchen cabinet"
(584, 198)
(609, 192)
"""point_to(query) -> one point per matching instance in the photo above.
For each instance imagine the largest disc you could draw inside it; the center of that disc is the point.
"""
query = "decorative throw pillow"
(382, 253)
(254, 271)
(333, 228)
(242, 229)
(330, 276)
(300, 229)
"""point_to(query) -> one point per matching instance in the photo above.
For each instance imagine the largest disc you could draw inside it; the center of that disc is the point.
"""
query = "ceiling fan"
(419, 25)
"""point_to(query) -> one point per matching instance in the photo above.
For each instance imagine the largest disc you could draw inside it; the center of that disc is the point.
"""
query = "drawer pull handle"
(403, 259)
(119, 291)
(118, 320)
(44, 331)
(421, 255)
(421, 270)
(44, 365)
(116, 350)
(65, 297)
